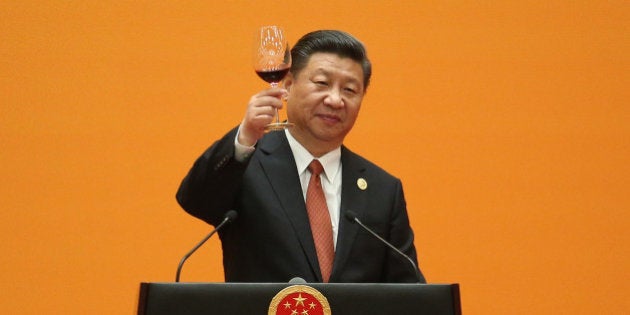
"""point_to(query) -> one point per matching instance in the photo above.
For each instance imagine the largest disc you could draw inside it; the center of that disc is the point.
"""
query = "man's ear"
(288, 81)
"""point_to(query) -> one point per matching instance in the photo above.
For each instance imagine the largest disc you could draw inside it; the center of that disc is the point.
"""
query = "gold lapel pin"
(362, 183)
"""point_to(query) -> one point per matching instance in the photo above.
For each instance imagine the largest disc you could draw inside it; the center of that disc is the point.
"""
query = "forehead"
(333, 64)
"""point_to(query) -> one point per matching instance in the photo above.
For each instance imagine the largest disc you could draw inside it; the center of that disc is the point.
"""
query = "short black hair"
(330, 41)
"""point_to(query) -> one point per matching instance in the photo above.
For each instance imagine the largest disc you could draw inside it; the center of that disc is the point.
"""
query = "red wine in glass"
(273, 76)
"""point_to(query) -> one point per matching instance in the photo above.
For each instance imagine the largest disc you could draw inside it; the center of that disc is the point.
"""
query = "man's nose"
(334, 99)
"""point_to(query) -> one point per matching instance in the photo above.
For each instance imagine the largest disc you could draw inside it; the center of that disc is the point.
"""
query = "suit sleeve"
(211, 186)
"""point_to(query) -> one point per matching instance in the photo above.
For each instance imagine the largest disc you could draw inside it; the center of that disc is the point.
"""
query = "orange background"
(508, 122)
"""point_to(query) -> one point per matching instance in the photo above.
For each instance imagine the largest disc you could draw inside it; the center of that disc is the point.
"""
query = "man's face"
(324, 100)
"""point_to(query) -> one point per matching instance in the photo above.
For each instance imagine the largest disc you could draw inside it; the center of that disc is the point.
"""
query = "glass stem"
(275, 85)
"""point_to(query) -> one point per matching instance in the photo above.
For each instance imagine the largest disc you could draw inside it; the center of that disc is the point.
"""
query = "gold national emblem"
(299, 300)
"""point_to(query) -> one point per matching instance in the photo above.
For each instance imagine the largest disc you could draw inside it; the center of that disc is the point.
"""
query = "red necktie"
(319, 218)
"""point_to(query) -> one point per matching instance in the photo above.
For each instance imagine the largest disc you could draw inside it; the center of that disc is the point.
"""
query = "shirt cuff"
(242, 152)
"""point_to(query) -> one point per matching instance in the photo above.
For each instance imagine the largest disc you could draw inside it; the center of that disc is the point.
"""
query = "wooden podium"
(256, 298)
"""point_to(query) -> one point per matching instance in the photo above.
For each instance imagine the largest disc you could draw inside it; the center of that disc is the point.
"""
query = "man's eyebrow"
(322, 71)
(327, 73)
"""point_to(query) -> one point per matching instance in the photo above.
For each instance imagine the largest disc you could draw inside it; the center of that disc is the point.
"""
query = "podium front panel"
(255, 298)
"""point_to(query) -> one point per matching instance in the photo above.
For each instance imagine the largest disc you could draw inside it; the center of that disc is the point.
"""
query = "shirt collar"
(330, 161)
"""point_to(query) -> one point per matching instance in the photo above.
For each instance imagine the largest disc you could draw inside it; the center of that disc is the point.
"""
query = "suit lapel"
(279, 167)
(352, 198)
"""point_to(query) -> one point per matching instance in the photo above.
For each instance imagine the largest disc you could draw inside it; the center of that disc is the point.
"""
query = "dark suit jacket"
(271, 239)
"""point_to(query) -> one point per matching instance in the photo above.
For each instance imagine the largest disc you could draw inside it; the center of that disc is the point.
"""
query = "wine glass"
(272, 61)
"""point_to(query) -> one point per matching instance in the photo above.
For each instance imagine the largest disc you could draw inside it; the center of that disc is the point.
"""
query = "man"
(265, 178)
